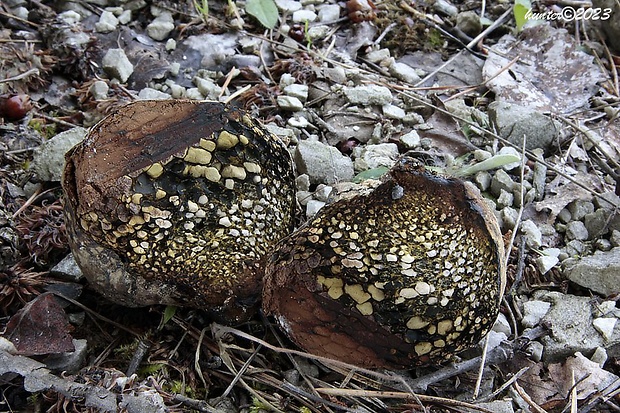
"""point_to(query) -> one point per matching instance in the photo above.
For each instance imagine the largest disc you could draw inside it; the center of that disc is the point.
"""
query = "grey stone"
(615, 238)
(576, 230)
(107, 22)
(469, 23)
(545, 262)
(318, 32)
(445, 7)
(149, 93)
(404, 72)
(483, 179)
(303, 197)
(570, 319)
(501, 180)
(207, 87)
(603, 244)
(335, 74)
(67, 269)
(605, 326)
(117, 65)
(509, 217)
(70, 17)
(599, 272)
(99, 90)
(597, 222)
(505, 199)
(175, 67)
(194, 94)
(497, 406)
(303, 182)
(49, 158)
(533, 236)
(535, 351)
(289, 6)
(576, 248)
(124, 17)
(177, 91)
(297, 90)
(313, 206)
(329, 13)
(393, 112)
(410, 139)
(303, 15)
(481, 155)
(69, 362)
(502, 325)
(564, 216)
(580, 208)
(289, 103)
(533, 312)
(171, 45)
(514, 121)
(376, 56)
(160, 27)
(607, 200)
(539, 178)
(599, 356)
(298, 121)
(322, 163)
(374, 156)
(368, 95)
(322, 192)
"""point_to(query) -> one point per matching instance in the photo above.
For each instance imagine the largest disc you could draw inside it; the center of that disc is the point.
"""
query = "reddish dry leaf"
(41, 327)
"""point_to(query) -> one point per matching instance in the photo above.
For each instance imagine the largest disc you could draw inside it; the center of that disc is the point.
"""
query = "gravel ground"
(529, 117)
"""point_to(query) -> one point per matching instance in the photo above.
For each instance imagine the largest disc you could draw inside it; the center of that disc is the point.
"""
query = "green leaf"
(374, 173)
(265, 11)
(493, 162)
(168, 314)
(519, 10)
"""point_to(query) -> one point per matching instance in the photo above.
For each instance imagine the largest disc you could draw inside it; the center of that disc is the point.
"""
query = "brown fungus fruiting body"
(177, 202)
(408, 274)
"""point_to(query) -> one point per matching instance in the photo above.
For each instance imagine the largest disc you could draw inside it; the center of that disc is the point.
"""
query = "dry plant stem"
(55, 120)
(229, 363)
(610, 59)
(229, 77)
(529, 153)
(197, 357)
(504, 386)
(400, 395)
(585, 134)
(498, 355)
(313, 398)
(535, 407)
(37, 378)
(141, 350)
(97, 315)
(28, 202)
(474, 41)
(290, 357)
(30, 72)
(483, 360)
(200, 405)
(241, 371)
(604, 397)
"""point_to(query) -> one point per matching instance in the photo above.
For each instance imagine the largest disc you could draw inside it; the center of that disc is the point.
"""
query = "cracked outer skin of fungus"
(406, 275)
(177, 202)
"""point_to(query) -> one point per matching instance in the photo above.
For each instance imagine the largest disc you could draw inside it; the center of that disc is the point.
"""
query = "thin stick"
(31, 72)
(397, 395)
